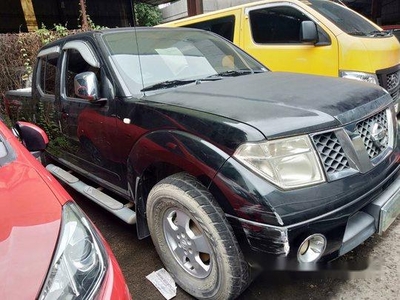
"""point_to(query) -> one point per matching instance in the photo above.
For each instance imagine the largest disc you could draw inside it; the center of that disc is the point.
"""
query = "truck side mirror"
(32, 136)
(308, 33)
(86, 86)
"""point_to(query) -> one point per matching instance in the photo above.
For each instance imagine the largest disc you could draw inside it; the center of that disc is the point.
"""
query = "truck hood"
(279, 104)
(29, 226)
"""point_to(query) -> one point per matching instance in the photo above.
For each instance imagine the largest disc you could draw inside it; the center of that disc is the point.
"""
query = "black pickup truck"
(222, 162)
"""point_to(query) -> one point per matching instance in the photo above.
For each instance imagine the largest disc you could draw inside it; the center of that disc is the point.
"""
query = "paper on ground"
(163, 282)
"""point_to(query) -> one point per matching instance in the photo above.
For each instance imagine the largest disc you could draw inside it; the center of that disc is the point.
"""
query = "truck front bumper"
(376, 217)
(344, 228)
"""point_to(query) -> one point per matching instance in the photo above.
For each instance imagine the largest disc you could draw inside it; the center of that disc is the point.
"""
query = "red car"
(48, 247)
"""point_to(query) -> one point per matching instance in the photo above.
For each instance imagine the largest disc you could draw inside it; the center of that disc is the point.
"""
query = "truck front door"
(88, 126)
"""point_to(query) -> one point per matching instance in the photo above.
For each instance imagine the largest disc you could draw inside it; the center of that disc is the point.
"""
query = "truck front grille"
(373, 144)
(345, 151)
(331, 152)
(390, 80)
(396, 95)
(393, 80)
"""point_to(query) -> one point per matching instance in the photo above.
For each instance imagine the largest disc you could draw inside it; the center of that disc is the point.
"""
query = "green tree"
(147, 15)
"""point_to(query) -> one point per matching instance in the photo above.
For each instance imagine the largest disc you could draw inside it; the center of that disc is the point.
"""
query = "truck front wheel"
(194, 240)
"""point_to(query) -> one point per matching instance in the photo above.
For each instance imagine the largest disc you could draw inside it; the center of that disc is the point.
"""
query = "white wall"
(178, 10)
(211, 5)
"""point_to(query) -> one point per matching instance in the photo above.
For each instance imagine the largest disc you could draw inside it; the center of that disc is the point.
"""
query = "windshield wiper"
(379, 33)
(174, 83)
(166, 84)
(233, 73)
(358, 33)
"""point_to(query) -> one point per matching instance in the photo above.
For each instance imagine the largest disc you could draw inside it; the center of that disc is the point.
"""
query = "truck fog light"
(312, 248)
(304, 247)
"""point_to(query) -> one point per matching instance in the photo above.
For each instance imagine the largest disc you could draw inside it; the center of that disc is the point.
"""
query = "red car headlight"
(80, 262)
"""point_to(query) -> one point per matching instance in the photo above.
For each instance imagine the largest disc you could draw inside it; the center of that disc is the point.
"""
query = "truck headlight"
(80, 260)
(288, 163)
(361, 76)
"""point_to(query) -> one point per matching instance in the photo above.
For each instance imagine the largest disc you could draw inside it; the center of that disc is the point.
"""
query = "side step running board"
(115, 207)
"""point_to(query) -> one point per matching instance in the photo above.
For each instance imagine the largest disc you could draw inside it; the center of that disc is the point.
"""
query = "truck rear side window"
(47, 73)
(276, 24)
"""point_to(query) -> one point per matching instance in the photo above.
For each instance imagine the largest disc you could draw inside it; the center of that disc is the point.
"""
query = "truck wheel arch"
(160, 154)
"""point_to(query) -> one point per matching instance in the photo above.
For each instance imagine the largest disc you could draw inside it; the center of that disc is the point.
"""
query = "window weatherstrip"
(85, 50)
(48, 51)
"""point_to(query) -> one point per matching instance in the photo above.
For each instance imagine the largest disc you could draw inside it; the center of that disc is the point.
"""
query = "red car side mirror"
(32, 136)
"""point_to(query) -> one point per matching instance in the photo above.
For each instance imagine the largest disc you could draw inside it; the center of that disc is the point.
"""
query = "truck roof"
(90, 34)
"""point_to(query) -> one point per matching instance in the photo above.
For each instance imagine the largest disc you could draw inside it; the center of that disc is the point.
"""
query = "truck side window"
(76, 64)
(47, 73)
(222, 26)
(279, 24)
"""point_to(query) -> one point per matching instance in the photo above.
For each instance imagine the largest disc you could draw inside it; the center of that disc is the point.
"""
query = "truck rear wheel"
(194, 240)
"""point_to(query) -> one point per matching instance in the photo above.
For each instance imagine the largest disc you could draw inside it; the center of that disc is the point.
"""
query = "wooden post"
(376, 11)
(195, 7)
(29, 15)
(132, 13)
(85, 25)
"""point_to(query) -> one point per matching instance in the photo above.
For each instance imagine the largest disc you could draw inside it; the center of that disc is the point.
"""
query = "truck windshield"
(344, 18)
(166, 58)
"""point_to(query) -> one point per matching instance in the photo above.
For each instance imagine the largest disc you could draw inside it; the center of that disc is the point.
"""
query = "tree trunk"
(85, 25)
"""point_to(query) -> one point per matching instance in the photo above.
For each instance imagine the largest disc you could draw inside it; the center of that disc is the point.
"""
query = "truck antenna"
(132, 2)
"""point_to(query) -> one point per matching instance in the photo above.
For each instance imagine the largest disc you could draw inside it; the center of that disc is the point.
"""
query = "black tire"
(194, 240)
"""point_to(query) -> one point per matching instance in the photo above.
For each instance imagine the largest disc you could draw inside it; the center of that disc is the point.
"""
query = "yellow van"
(308, 36)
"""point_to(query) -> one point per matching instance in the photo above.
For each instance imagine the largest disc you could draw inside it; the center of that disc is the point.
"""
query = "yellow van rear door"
(271, 33)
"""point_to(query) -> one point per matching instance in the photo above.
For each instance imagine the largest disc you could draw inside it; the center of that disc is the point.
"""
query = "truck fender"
(162, 153)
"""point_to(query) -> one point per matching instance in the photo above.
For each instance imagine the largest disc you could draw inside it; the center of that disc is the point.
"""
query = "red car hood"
(29, 226)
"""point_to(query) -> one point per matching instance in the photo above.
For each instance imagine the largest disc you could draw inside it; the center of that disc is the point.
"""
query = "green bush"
(18, 55)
